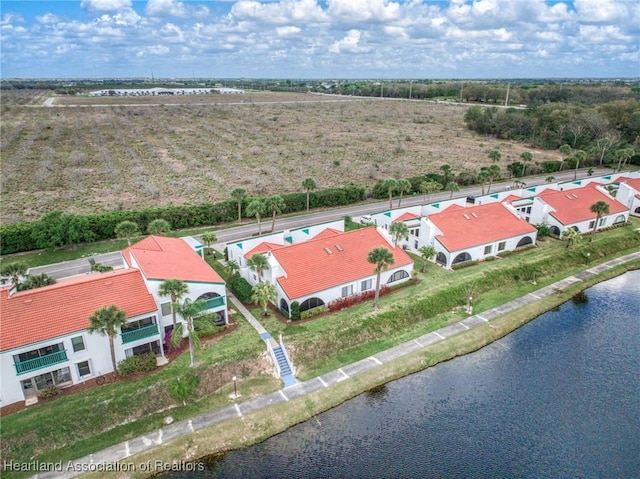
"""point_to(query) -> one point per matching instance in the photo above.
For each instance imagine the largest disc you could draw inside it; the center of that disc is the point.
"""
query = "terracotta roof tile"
(163, 258)
(572, 206)
(477, 225)
(633, 183)
(309, 268)
(407, 216)
(43, 313)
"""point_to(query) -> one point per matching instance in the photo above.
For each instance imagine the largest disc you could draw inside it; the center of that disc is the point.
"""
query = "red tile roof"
(263, 248)
(309, 268)
(163, 258)
(572, 206)
(464, 228)
(407, 216)
(43, 313)
(632, 182)
(327, 233)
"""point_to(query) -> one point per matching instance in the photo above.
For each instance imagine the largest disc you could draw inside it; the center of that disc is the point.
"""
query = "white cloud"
(105, 5)
(349, 44)
(49, 18)
(283, 12)
(601, 11)
(287, 31)
(347, 11)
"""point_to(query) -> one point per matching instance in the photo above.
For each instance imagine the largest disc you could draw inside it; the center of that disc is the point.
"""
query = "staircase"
(283, 364)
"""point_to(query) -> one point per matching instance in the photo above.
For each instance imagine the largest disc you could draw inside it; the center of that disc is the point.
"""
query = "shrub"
(241, 288)
(184, 387)
(101, 268)
(310, 313)
(348, 301)
(543, 230)
(137, 364)
(295, 311)
(49, 392)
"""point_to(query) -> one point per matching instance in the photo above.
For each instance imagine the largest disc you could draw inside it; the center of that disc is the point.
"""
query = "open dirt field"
(84, 155)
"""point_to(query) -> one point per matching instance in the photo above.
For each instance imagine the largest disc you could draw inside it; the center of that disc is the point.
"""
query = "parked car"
(365, 219)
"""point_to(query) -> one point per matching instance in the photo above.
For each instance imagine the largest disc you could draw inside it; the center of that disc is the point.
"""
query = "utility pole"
(506, 100)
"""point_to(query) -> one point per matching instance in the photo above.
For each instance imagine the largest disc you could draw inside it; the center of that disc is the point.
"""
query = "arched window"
(441, 258)
(637, 210)
(554, 230)
(284, 306)
(310, 304)
(461, 258)
(619, 219)
(524, 241)
(576, 229)
(397, 276)
(211, 300)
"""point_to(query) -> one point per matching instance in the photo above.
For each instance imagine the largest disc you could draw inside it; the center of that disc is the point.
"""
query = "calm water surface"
(559, 398)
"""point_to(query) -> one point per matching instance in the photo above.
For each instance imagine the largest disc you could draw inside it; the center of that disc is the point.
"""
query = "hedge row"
(58, 229)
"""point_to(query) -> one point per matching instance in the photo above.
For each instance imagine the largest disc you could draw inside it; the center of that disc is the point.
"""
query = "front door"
(30, 392)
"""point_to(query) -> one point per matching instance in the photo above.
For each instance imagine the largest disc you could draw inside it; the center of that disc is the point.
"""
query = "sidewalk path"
(148, 441)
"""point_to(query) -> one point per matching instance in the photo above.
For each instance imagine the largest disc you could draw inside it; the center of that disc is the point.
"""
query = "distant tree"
(571, 236)
(239, 194)
(600, 208)
(189, 311)
(382, 258)
(483, 177)
(404, 186)
(578, 156)
(127, 229)
(390, 185)
(15, 271)
(446, 174)
(309, 185)
(550, 179)
(105, 322)
(622, 155)
(526, 157)
(603, 144)
(158, 226)
(263, 294)
(428, 187)
(256, 208)
(398, 230)
(276, 205)
(209, 237)
(232, 267)
(427, 252)
(494, 174)
(175, 289)
(258, 263)
(565, 151)
(452, 186)
(495, 155)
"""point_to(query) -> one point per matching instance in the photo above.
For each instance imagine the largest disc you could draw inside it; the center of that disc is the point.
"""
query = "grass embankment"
(256, 427)
(113, 413)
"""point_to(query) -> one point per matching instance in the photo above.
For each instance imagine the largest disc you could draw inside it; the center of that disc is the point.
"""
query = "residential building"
(629, 194)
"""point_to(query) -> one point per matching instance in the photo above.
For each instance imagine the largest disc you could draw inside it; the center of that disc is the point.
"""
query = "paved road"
(79, 266)
(121, 452)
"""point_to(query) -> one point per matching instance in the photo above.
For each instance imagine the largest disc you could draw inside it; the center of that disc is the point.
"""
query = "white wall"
(627, 196)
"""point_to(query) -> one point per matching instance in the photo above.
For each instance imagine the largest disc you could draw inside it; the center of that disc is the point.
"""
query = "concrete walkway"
(120, 452)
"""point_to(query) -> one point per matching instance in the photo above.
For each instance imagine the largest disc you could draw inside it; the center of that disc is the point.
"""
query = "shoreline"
(254, 427)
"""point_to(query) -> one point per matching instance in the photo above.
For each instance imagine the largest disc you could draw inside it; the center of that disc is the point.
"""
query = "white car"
(364, 219)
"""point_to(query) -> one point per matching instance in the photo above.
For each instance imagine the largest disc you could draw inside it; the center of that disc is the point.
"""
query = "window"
(347, 291)
(366, 285)
(54, 378)
(83, 369)
(153, 347)
(591, 224)
(36, 353)
(77, 343)
(397, 276)
(415, 231)
(141, 323)
(502, 245)
(488, 249)
(166, 309)
(602, 222)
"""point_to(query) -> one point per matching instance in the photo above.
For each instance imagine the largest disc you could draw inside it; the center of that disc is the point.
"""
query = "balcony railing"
(23, 367)
(140, 333)
(214, 302)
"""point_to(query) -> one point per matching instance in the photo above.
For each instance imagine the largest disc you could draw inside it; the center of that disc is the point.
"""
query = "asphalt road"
(79, 266)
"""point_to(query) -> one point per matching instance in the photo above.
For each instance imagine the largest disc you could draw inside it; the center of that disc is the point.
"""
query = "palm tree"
(189, 311)
(623, 155)
(309, 185)
(571, 236)
(452, 186)
(494, 174)
(404, 186)
(158, 226)
(232, 267)
(276, 205)
(256, 208)
(427, 252)
(105, 322)
(550, 179)
(495, 155)
(127, 229)
(483, 177)
(239, 194)
(398, 230)
(446, 172)
(428, 187)
(390, 185)
(565, 151)
(36, 281)
(175, 289)
(579, 156)
(263, 294)
(600, 208)
(209, 237)
(382, 258)
(16, 271)
(258, 263)
(526, 156)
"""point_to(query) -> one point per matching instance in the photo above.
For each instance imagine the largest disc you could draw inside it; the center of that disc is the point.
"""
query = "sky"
(320, 39)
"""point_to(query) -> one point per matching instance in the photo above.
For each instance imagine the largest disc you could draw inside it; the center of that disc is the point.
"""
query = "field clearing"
(86, 155)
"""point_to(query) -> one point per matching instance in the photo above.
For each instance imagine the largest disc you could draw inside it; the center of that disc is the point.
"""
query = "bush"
(101, 268)
(310, 313)
(348, 301)
(184, 388)
(137, 364)
(295, 311)
(49, 392)
(241, 288)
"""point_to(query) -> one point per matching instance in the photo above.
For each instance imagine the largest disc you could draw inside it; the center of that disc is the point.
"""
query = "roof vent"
(466, 217)
(339, 247)
(569, 196)
(574, 195)
(474, 215)
(328, 250)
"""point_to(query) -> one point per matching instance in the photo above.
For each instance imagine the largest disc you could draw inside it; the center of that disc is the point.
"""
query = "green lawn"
(109, 414)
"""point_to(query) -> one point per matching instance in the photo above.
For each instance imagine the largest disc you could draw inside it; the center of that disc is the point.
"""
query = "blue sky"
(320, 39)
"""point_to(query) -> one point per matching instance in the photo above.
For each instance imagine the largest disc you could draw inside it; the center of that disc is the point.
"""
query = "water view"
(560, 397)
